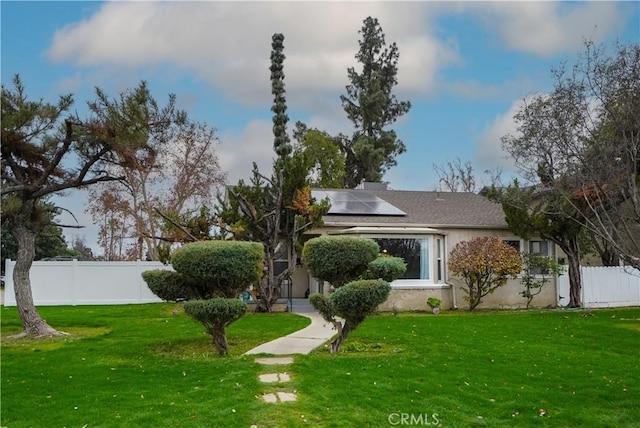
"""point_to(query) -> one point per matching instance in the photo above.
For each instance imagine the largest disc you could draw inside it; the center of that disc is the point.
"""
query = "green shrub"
(357, 299)
(386, 268)
(434, 302)
(215, 270)
(338, 259)
(228, 267)
(171, 286)
(321, 304)
(215, 315)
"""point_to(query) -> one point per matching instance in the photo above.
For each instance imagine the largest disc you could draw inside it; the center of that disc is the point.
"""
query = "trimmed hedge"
(227, 266)
(171, 286)
(338, 259)
(386, 268)
(216, 312)
(321, 304)
(357, 299)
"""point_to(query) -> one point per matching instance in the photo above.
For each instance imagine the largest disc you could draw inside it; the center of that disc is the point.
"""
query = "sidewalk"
(302, 341)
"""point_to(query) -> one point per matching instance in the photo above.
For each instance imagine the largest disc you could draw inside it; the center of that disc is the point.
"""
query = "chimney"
(367, 185)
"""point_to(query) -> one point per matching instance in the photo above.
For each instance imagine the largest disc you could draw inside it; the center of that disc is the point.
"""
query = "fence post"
(74, 282)
(139, 279)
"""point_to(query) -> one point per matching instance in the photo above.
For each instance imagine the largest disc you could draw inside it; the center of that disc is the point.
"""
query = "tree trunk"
(575, 278)
(33, 324)
(269, 292)
(610, 257)
(343, 331)
(220, 340)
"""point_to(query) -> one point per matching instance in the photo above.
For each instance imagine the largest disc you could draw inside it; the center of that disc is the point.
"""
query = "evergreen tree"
(277, 209)
(371, 106)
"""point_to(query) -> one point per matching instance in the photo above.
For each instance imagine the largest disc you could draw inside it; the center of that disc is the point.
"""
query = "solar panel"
(352, 202)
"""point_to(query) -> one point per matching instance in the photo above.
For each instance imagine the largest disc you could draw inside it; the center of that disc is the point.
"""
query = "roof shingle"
(431, 209)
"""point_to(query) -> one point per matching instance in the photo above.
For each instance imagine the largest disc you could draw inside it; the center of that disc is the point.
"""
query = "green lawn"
(140, 365)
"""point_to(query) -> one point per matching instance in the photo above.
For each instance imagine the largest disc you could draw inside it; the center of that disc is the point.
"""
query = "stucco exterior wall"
(416, 299)
(504, 297)
(508, 296)
(449, 289)
(300, 280)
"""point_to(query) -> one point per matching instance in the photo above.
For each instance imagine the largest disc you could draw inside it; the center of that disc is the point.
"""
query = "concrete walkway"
(302, 341)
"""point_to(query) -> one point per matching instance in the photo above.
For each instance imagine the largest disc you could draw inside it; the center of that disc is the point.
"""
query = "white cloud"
(548, 28)
(489, 153)
(239, 150)
(228, 43)
(76, 202)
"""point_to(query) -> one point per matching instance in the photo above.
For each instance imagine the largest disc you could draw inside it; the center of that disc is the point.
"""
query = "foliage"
(172, 286)
(484, 263)
(215, 311)
(174, 181)
(530, 212)
(358, 299)
(591, 118)
(215, 315)
(49, 243)
(386, 268)
(227, 267)
(318, 151)
(434, 302)
(537, 272)
(206, 269)
(371, 106)
(274, 210)
(338, 259)
(321, 304)
(84, 252)
(47, 150)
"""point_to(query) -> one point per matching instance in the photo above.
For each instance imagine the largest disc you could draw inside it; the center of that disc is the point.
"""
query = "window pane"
(412, 251)
(439, 262)
(424, 259)
(539, 247)
(514, 243)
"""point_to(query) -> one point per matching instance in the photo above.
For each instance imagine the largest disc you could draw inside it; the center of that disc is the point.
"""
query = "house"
(422, 227)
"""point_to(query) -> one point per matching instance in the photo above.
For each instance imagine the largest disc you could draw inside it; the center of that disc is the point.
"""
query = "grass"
(139, 365)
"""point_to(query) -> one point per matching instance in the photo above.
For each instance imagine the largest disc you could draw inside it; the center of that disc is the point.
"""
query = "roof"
(429, 209)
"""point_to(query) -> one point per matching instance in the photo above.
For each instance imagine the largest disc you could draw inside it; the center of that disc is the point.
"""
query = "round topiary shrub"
(228, 267)
(386, 268)
(171, 286)
(338, 259)
(357, 299)
(215, 315)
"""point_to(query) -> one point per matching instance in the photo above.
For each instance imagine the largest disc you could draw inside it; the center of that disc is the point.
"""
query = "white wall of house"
(85, 283)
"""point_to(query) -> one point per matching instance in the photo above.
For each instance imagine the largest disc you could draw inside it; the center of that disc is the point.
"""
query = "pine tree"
(371, 106)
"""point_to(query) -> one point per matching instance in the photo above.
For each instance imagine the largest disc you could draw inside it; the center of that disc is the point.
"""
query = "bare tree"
(582, 141)
(178, 177)
(455, 176)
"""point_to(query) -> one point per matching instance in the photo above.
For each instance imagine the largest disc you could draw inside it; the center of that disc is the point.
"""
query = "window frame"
(431, 282)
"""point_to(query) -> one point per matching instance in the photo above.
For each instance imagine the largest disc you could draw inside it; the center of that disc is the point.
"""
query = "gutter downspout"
(453, 295)
(453, 286)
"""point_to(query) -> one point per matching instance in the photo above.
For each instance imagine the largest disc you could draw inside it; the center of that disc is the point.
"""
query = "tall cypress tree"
(280, 138)
(277, 209)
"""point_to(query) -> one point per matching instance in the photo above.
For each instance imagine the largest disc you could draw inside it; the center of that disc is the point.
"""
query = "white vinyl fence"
(85, 283)
(604, 287)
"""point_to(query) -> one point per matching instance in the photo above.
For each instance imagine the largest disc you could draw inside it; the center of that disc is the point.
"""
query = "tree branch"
(177, 225)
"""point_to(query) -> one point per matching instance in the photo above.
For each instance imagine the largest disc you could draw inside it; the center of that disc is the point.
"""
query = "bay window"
(414, 252)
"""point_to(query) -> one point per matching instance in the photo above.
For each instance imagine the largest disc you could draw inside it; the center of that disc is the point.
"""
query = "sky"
(464, 66)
